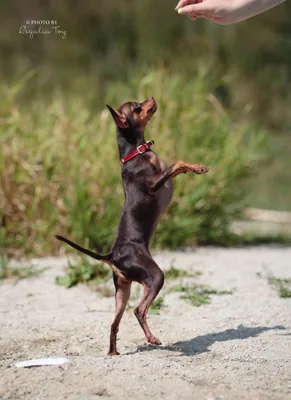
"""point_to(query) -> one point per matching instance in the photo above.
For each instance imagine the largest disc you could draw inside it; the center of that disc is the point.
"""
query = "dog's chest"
(165, 195)
(166, 192)
(157, 163)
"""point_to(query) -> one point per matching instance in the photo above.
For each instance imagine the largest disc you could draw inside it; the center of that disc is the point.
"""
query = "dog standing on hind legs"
(148, 191)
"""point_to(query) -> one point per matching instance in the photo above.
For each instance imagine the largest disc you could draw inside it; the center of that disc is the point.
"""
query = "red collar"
(139, 150)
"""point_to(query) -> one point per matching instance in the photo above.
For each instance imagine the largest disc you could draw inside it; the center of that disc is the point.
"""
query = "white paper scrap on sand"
(42, 362)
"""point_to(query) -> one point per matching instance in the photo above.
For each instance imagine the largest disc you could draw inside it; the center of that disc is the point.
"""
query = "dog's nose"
(152, 99)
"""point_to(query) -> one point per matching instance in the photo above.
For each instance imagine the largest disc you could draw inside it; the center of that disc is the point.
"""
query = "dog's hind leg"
(152, 286)
(122, 294)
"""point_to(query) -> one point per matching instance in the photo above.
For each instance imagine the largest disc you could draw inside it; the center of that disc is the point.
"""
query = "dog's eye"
(137, 108)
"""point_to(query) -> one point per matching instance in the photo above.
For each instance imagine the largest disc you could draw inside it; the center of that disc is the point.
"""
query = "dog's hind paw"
(113, 353)
(154, 340)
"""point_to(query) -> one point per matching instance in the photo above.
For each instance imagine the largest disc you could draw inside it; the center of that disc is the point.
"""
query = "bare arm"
(225, 12)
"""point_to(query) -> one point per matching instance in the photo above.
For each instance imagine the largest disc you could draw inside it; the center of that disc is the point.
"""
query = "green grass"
(283, 286)
(51, 166)
(252, 239)
(284, 292)
(157, 305)
(271, 189)
(85, 272)
(96, 275)
(174, 273)
(4, 267)
(198, 294)
(60, 172)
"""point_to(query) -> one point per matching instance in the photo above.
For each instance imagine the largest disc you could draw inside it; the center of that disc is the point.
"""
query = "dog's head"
(133, 115)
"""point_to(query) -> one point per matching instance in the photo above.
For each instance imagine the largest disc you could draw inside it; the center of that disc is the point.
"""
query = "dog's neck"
(128, 140)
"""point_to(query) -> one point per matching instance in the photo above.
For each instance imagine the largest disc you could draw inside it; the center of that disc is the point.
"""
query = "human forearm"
(225, 11)
(248, 8)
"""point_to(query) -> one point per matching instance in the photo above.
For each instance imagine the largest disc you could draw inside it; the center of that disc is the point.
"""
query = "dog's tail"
(105, 258)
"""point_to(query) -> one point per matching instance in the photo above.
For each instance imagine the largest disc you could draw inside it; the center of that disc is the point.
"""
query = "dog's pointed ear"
(120, 121)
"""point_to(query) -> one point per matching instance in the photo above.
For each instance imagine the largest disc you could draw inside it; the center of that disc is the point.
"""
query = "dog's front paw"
(199, 169)
(203, 169)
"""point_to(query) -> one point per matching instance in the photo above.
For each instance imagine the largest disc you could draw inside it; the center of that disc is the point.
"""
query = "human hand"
(219, 11)
(224, 12)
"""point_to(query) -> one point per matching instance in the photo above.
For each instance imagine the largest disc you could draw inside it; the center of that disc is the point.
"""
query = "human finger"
(194, 8)
(183, 3)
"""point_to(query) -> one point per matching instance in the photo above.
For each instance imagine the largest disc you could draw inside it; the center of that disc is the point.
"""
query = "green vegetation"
(59, 167)
(96, 275)
(156, 306)
(60, 171)
(198, 295)
(253, 239)
(174, 273)
(283, 286)
(85, 272)
(4, 267)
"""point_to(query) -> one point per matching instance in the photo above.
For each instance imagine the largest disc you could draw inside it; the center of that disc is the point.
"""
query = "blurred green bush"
(107, 42)
(60, 172)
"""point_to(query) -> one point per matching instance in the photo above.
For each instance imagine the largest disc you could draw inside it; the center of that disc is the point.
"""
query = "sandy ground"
(238, 347)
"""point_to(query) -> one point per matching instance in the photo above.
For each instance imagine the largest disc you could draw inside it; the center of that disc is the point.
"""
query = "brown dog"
(148, 191)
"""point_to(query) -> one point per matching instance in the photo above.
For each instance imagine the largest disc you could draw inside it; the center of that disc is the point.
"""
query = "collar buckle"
(142, 148)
